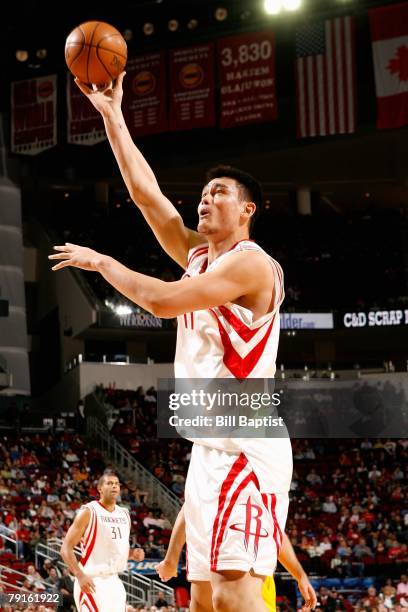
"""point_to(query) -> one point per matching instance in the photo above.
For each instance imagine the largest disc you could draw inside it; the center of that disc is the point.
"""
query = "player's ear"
(249, 209)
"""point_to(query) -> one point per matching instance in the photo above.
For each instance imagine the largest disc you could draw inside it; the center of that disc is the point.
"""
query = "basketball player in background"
(102, 528)
(168, 568)
(227, 304)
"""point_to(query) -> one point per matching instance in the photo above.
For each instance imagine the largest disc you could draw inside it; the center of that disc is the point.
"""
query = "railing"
(139, 589)
(20, 578)
(131, 469)
(10, 535)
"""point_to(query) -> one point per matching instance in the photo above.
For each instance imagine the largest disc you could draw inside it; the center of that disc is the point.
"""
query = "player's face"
(110, 489)
(221, 208)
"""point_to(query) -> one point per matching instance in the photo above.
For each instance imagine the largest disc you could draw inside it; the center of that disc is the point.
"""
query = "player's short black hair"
(108, 472)
(252, 189)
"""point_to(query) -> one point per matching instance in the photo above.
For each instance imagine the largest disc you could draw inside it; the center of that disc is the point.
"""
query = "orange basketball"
(96, 52)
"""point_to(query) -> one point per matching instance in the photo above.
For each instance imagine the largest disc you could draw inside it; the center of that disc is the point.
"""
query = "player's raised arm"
(71, 540)
(159, 212)
(241, 274)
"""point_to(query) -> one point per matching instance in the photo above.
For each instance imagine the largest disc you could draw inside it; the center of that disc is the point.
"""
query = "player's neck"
(217, 247)
(109, 506)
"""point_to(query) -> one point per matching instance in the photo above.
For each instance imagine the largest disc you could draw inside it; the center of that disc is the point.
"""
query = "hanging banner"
(192, 87)
(34, 115)
(247, 79)
(144, 88)
(85, 124)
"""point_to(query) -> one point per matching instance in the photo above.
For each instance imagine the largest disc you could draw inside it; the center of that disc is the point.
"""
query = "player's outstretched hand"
(167, 570)
(308, 593)
(86, 583)
(104, 100)
(137, 554)
(76, 256)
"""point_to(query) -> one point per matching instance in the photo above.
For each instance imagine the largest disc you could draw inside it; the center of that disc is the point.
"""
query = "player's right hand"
(106, 100)
(308, 593)
(167, 570)
(86, 583)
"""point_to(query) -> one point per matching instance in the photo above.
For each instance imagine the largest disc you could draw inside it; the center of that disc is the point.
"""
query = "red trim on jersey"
(185, 319)
(239, 366)
(90, 528)
(275, 522)
(250, 478)
(243, 331)
(91, 602)
(232, 475)
(192, 320)
(92, 543)
(196, 253)
(204, 266)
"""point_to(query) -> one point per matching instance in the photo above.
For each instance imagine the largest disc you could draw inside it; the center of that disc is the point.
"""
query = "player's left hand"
(137, 554)
(167, 570)
(76, 256)
(308, 593)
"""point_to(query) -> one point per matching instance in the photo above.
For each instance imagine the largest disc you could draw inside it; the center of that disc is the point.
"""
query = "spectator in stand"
(361, 549)
(161, 602)
(329, 505)
(66, 588)
(33, 577)
(313, 478)
(371, 600)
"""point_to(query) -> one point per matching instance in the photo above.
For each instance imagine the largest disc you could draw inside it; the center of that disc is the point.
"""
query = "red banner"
(85, 124)
(34, 115)
(192, 87)
(247, 79)
(145, 94)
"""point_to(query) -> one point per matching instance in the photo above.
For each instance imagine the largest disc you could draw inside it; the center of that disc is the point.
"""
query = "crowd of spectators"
(348, 519)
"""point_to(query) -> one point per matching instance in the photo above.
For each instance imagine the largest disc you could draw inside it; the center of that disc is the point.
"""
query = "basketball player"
(102, 528)
(227, 304)
(167, 568)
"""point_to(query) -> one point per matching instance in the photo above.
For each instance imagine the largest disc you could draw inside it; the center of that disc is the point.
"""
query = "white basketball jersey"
(226, 342)
(105, 544)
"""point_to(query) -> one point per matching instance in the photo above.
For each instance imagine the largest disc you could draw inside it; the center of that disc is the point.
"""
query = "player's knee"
(225, 599)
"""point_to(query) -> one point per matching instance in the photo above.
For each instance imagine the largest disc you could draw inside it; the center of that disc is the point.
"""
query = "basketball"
(95, 52)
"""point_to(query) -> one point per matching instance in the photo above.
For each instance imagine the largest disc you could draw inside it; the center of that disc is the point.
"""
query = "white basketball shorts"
(109, 596)
(230, 523)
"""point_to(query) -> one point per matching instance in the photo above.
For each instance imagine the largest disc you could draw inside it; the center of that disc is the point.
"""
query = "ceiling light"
(21, 55)
(292, 5)
(41, 53)
(148, 29)
(273, 7)
(173, 25)
(221, 13)
(192, 24)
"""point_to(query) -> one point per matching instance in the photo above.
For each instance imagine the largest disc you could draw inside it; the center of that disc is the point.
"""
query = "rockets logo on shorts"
(253, 514)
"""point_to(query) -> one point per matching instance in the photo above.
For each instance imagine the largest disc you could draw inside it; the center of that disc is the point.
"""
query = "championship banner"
(247, 79)
(34, 115)
(85, 124)
(144, 88)
(389, 32)
(192, 87)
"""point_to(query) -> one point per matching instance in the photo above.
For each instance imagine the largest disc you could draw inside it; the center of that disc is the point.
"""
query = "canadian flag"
(389, 32)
